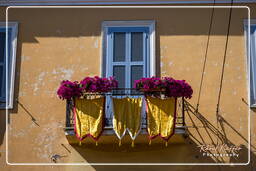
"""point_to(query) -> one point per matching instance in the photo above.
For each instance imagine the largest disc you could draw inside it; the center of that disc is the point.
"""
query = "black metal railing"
(124, 92)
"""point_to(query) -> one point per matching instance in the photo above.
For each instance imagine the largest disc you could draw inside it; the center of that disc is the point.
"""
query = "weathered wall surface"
(57, 44)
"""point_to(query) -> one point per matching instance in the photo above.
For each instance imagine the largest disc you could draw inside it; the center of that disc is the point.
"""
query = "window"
(252, 59)
(253, 64)
(128, 50)
(8, 40)
(128, 53)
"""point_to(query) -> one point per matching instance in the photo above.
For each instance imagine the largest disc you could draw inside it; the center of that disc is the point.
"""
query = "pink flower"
(173, 88)
(69, 89)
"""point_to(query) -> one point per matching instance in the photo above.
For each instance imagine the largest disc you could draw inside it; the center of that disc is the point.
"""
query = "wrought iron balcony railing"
(180, 126)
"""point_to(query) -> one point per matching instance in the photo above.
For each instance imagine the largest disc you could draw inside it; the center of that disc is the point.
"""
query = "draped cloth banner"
(89, 117)
(127, 116)
(161, 117)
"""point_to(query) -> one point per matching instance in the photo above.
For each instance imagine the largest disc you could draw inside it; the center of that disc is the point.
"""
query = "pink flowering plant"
(97, 84)
(168, 85)
(149, 84)
(68, 89)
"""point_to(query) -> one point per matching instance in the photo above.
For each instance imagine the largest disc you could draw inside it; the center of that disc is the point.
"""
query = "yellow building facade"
(54, 44)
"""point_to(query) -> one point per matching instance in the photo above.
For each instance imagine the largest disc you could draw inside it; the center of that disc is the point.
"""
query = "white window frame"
(151, 63)
(105, 65)
(12, 57)
(247, 44)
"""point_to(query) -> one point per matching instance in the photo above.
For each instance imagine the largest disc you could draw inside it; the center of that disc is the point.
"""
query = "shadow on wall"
(213, 132)
(60, 23)
(16, 102)
(186, 151)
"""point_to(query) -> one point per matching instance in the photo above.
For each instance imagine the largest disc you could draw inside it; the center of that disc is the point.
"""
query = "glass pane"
(119, 47)
(119, 74)
(136, 73)
(2, 46)
(137, 46)
(253, 64)
(2, 82)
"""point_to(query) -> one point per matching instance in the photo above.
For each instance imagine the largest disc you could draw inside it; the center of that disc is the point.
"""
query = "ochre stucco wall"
(57, 44)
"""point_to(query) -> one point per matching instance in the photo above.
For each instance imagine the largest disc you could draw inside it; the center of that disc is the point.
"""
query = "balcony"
(180, 126)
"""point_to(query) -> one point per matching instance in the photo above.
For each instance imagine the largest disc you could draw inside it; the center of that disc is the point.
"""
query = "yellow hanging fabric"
(161, 117)
(119, 118)
(89, 115)
(127, 116)
(133, 116)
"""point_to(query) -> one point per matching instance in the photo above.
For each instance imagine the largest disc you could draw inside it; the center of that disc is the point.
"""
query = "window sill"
(3, 106)
(253, 106)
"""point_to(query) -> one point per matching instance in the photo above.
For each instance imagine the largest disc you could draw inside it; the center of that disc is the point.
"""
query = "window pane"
(119, 74)
(253, 65)
(137, 46)
(119, 47)
(136, 73)
(2, 46)
(2, 82)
